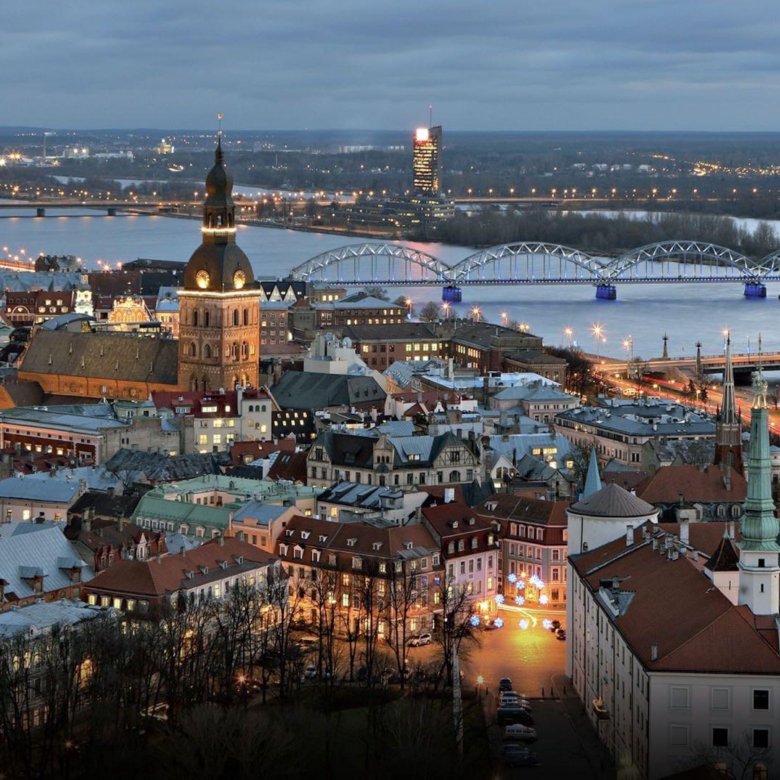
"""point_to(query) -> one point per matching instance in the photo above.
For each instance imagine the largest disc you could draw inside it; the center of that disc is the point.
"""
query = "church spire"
(758, 560)
(592, 479)
(728, 429)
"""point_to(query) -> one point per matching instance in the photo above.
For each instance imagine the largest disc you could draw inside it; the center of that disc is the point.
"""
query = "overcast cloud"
(483, 64)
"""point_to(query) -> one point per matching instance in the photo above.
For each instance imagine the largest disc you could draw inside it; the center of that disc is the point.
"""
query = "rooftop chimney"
(685, 531)
(653, 652)
(449, 495)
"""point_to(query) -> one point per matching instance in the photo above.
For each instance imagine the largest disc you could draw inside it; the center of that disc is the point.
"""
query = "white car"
(516, 731)
(422, 639)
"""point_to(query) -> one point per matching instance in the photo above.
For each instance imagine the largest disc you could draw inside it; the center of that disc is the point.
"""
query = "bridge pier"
(452, 294)
(606, 292)
(755, 290)
(40, 212)
(111, 212)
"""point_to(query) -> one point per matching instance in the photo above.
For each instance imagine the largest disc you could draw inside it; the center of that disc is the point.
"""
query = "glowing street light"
(569, 333)
(598, 334)
(475, 314)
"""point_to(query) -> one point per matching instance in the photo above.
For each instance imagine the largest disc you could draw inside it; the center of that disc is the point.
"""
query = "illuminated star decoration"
(519, 600)
(498, 622)
(499, 599)
(474, 620)
(512, 578)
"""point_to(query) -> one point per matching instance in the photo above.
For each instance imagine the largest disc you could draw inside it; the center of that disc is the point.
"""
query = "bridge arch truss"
(529, 263)
(683, 261)
(374, 263)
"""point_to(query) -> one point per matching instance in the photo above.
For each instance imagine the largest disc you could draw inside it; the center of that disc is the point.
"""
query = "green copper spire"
(760, 527)
(592, 479)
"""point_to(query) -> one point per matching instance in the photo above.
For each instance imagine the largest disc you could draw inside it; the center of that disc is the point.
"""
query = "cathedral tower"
(219, 331)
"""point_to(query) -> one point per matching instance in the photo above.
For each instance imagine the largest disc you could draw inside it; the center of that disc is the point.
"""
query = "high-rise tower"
(728, 428)
(426, 161)
(219, 334)
(759, 571)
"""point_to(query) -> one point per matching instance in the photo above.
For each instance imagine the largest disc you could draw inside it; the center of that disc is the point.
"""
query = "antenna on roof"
(430, 116)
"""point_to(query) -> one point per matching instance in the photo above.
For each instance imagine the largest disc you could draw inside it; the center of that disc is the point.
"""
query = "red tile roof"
(156, 578)
(676, 608)
(693, 484)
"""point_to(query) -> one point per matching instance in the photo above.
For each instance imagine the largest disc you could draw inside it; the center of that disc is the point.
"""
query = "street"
(531, 657)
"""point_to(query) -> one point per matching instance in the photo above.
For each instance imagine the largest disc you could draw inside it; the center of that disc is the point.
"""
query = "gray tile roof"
(52, 490)
(25, 547)
(308, 390)
(42, 616)
(613, 501)
(127, 356)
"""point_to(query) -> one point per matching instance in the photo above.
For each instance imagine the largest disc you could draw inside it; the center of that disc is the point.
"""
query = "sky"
(373, 64)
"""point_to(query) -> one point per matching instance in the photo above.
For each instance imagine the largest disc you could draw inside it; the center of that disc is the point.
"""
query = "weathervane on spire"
(220, 117)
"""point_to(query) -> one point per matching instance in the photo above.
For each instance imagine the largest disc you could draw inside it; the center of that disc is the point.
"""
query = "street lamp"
(504, 317)
(569, 333)
(409, 304)
(475, 314)
(446, 308)
(598, 334)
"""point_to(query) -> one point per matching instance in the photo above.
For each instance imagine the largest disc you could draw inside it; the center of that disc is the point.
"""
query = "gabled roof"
(310, 390)
(706, 485)
(28, 548)
(158, 578)
(696, 628)
(124, 356)
(505, 506)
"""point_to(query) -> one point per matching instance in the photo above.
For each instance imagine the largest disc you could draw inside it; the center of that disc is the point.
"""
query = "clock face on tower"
(239, 280)
(202, 279)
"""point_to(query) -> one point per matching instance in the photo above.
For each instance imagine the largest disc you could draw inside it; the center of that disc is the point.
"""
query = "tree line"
(595, 233)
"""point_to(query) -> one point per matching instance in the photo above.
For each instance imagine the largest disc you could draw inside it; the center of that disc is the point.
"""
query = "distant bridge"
(539, 263)
(743, 363)
(111, 207)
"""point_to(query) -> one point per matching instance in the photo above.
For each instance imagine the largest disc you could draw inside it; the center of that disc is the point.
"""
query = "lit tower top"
(426, 160)
(728, 429)
(218, 264)
(759, 585)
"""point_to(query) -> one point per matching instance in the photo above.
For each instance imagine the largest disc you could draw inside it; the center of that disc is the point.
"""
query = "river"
(686, 313)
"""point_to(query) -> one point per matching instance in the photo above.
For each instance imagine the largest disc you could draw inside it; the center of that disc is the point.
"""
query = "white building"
(674, 643)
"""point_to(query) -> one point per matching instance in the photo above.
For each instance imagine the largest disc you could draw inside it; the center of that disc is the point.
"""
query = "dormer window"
(282, 549)
(290, 532)
(323, 539)
(454, 523)
(315, 556)
(408, 545)
(351, 542)
(298, 552)
(305, 535)
(376, 545)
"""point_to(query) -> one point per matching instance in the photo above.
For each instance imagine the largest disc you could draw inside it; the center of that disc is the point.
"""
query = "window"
(678, 736)
(721, 698)
(720, 737)
(760, 738)
(678, 698)
(345, 599)
(760, 699)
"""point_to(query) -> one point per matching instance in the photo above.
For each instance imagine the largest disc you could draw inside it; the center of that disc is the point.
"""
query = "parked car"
(512, 714)
(421, 639)
(560, 634)
(505, 684)
(507, 698)
(519, 732)
(519, 755)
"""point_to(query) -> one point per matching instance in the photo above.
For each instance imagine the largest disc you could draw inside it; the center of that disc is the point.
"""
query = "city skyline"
(568, 67)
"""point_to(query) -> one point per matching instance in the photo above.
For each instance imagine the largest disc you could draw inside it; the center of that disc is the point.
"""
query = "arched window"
(234, 351)
(206, 318)
(454, 476)
(244, 350)
(235, 316)
(193, 349)
(206, 351)
(246, 316)
(195, 318)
